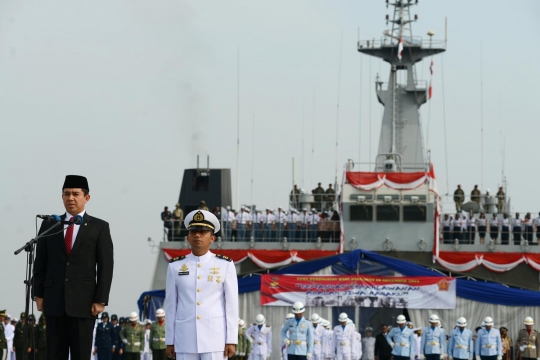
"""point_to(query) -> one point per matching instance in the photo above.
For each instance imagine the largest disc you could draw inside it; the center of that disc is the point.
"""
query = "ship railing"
(390, 42)
(464, 233)
(325, 232)
(418, 85)
(488, 204)
(373, 166)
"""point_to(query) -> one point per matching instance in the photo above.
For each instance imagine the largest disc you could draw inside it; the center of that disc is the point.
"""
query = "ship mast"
(401, 145)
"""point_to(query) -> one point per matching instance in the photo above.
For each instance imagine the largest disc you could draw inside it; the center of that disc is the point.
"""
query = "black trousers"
(132, 356)
(433, 356)
(159, 355)
(66, 334)
(296, 357)
(492, 357)
(21, 353)
(104, 353)
(41, 354)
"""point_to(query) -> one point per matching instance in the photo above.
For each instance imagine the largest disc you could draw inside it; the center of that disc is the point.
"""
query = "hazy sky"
(127, 93)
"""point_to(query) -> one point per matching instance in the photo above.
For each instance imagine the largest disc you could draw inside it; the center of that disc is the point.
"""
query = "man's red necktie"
(68, 239)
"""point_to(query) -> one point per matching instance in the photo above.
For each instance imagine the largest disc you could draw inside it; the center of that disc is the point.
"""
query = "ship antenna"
(303, 147)
(238, 128)
(313, 135)
(360, 109)
(252, 157)
(338, 98)
(481, 118)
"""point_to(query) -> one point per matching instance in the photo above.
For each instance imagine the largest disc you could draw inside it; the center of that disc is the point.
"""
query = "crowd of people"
(319, 340)
(114, 338)
(306, 225)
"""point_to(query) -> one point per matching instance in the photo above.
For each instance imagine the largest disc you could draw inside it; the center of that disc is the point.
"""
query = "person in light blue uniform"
(433, 342)
(401, 339)
(460, 345)
(488, 342)
(300, 340)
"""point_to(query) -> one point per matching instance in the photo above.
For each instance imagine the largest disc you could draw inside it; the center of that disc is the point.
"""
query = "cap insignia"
(199, 216)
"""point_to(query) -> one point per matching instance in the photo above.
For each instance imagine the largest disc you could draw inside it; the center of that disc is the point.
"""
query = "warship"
(391, 206)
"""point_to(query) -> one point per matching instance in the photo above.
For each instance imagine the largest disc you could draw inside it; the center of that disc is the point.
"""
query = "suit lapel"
(83, 231)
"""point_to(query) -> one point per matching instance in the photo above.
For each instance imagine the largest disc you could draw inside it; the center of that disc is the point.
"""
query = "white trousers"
(343, 357)
(220, 355)
(146, 356)
(3, 354)
(317, 357)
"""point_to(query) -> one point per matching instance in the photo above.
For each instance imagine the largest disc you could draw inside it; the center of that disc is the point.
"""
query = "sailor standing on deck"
(300, 341)
(488, 344)
(261, 336)
(505, 229)
(494, 228)
(433, 342)
(516, 230)
(401, 339)
(460, 345)
(201, 301)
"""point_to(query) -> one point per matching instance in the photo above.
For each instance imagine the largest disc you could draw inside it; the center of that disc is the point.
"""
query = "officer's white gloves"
(450, 358)
(392, 345)
(155, 339)
(308, 356)
(139, 344)
(288, 342)
(478, 357)
(443, 356)
(521, 348)
(142, 352)
(499, 357)
(422, 357)
(125, 341)
(162, 339)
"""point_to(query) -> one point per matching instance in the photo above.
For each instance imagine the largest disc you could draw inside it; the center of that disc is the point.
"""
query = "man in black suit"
(383, 350)
(73, 274)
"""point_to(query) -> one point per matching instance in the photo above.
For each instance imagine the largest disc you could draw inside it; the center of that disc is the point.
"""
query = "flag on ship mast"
(400, 49)
(430, 93)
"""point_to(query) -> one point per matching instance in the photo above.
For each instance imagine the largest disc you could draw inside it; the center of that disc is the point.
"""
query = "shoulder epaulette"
(267, 325)
(223, 257)
(177, 258)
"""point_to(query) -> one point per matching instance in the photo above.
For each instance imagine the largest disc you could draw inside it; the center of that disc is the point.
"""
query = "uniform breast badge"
(184, 270)
(210, 278)
(214, 270)
(218, 279)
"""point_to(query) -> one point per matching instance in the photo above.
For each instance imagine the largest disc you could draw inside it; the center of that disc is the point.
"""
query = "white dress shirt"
(75, 227)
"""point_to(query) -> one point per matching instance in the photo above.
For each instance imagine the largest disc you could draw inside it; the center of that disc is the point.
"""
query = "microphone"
(52, 217)
(77, 220)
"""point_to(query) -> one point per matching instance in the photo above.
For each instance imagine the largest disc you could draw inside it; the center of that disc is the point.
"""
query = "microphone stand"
(29, 248)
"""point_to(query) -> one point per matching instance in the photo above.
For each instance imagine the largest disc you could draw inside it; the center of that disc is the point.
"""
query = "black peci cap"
(75, 182)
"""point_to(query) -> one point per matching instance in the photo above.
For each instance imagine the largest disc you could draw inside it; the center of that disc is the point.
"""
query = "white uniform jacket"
(201, 303)
(261, 339)
(343, 341)
(318, 333)
(357, 346)
(327, 351)
(368, 348)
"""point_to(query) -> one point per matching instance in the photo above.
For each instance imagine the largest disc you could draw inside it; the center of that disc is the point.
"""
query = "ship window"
(387, 213)
(361, 212)
(200, 183)
(414, 213)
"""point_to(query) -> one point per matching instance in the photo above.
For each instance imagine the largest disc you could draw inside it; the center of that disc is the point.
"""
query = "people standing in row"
(516, 229)
(494, 225)
(300, 338)
(488, 345)
(433, 340)
(402, 341)
(528, 341)
(460, 343)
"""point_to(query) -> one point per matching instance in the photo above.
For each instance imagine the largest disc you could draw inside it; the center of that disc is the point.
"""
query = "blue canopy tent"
(366, 262)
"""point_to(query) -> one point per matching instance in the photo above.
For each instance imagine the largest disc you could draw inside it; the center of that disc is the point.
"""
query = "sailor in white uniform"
(460, 345)
(201, 301)
(488, 344)
(327, 351)
(318, 332)
(368, 345)
(343, 339)
(402, 341)
(433, 342)
(261, 336)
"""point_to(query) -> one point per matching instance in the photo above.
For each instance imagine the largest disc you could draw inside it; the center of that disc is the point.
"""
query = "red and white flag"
(400, 49)
(430, 91)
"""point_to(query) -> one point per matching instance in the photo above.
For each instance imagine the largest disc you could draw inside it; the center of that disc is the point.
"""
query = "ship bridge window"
(361, 212)
(200, 182)
(414, 213)
(387, 213)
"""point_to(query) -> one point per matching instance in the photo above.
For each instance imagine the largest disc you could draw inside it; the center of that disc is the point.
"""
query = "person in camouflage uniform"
(242, 341)
(132, 335)
(41, 339)
(157, 336)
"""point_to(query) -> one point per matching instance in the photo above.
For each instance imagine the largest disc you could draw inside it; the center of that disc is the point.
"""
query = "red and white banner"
(262, 258)
(462, 262)
(420, 292)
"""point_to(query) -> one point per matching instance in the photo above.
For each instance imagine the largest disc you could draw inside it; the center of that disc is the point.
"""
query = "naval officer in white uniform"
(201, 301)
